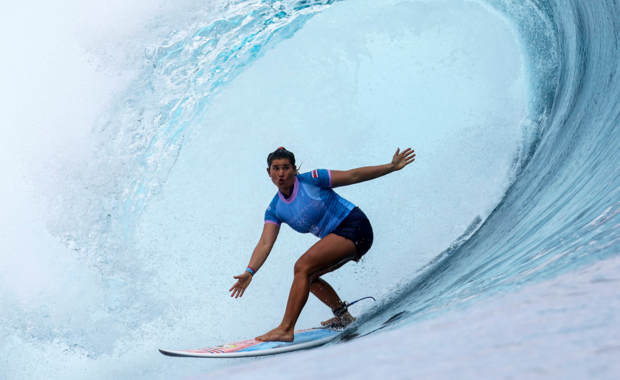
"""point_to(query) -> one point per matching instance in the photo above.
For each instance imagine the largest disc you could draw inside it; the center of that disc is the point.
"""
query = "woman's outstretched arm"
(350, 177)
(259, 256)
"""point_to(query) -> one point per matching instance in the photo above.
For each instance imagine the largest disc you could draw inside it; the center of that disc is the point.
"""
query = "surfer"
(307, 203)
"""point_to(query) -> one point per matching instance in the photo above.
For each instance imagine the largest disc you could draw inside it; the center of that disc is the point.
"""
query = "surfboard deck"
(248, 348)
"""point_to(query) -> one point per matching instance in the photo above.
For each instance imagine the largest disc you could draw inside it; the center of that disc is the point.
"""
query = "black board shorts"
(356, 227)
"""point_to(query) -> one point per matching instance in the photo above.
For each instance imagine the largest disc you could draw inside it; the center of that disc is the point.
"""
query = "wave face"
(517, 176)
(563, 211)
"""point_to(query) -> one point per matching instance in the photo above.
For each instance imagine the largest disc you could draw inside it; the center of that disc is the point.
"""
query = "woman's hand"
(243, 281)
(402, 159)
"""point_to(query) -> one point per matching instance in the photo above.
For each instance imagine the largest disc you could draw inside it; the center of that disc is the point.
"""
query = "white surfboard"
(303, 339)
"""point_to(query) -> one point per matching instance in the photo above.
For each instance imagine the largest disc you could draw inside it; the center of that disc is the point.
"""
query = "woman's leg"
(326, 254)
(326, 294)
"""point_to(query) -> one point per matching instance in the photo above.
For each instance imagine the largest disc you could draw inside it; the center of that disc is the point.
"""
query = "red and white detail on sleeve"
(315, 174)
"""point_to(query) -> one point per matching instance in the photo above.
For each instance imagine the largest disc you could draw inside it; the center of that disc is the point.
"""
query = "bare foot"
(339, 322)
(277, 335)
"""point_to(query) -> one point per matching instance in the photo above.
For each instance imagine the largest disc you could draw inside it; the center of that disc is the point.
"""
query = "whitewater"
(132, 153)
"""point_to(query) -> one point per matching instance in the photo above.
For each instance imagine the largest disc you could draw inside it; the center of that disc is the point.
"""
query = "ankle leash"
(345, 306)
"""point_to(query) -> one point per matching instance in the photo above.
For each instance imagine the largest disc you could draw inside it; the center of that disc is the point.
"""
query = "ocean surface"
(132, 153)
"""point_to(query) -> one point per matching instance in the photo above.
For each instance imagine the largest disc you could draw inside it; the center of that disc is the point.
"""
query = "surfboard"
(248, 348)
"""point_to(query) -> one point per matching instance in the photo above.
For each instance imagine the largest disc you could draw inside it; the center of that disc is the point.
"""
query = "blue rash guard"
(312, 207)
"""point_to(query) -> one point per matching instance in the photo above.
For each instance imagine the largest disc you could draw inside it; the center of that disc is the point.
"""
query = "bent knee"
(302, 268)
(315, 278)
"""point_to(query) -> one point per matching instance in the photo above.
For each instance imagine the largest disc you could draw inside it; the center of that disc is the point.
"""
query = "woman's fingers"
(234, 288)
(238, 292)
(405, 153)
(404, 158)
(238, 289)
(408, 153)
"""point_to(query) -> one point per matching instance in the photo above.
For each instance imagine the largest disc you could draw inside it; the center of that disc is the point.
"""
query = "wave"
(562, 211)
(544, 199)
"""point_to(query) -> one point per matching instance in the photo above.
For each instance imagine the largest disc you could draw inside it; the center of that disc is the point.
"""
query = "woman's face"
(282, 173)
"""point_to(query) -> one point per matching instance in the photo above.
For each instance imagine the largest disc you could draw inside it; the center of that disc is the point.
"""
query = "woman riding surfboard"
(307, 203)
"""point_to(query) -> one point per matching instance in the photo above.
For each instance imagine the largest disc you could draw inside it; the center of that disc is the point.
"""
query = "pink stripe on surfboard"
(232, 347)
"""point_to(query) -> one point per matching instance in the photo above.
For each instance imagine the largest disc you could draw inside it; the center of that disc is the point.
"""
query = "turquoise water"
(122, 234)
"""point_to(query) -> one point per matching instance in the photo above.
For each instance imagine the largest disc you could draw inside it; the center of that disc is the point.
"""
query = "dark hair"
(279, 154)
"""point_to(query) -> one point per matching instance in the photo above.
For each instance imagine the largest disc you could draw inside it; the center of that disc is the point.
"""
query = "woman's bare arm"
(353, 176)
(264, 246)
(259, 256)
